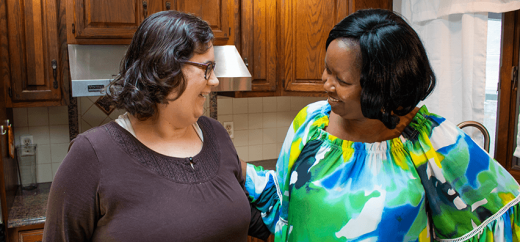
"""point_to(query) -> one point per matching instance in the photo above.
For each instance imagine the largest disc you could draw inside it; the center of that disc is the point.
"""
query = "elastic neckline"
(410, 133)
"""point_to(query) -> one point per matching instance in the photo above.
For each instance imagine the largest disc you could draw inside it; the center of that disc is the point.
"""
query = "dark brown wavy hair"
(395, 71)
(151, 68)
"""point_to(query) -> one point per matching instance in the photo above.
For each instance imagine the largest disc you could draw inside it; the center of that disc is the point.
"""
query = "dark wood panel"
(108, 18)
(26, 233)
(509, 58)
(355, 5)
(259, 42)
(215, 12)
(31, 235)
(305, 28)
(34, 46)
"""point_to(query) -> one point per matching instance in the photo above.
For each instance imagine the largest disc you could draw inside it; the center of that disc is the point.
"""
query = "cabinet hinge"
(73, 28)
(514, 77)
(10, 92)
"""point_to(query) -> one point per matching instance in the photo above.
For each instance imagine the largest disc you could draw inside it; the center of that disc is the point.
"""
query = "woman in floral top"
(369, 165)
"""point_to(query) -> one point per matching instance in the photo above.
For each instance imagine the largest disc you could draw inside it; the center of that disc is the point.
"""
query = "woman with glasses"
(369, 165)
(161, 171)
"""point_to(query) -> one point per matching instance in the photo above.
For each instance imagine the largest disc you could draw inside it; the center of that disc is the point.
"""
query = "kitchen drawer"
(35, 235)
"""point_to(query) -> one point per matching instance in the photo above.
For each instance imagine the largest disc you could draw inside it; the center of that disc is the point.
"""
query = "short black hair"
(395, 71)
(151, 68)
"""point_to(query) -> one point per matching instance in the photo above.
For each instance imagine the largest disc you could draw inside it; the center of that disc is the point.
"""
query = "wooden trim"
(509, 58)
(66, 93)
(14, 232)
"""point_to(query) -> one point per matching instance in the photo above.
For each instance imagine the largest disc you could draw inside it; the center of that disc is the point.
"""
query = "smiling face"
(190, 105)
(342, 78)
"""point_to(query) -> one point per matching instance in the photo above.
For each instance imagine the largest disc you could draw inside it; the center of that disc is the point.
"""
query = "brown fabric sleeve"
(72, 210)
(257, 228)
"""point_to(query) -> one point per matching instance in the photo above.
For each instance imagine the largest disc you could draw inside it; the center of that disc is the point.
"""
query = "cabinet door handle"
(168, 5)
(246, 62)
(54, 64)
(3, 130)
(145, 9)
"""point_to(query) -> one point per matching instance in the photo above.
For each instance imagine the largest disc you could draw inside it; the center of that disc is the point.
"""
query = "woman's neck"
(366, 130)
(158, 128)
(166, 137)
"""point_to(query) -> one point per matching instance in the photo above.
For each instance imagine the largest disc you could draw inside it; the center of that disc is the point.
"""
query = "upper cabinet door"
(108, 18)
(119, 19)
(305, 26)
(258, 34)
(34, 50)
(215, 12)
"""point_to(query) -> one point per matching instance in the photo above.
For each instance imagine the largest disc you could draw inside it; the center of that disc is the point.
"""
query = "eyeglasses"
(209, 67)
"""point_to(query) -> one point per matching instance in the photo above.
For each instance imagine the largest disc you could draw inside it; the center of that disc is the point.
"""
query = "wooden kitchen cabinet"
(305, 26)
(28, 233)
(284, 43)
(259, 42)
(115, 21)
(31, 236)
(35, 53)
(107, 19)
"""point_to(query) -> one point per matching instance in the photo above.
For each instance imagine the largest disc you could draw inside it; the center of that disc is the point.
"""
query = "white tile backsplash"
(20, 118)
(255, 137)
(59, 134)
(269, 151)
(38, 116)
(55, 167)
(241, 138)
(40, 134)
(269, 136)
(240, 121)
(49, 127)
(255, 120)
(224, 106)
(94, 116)
(84, 104)
(243, 152)
(58, 115)
(43, 154)
(58, 152)
(240, 106)
(269, 104)
(255, 105)
(283, 104)
(269, 120)
(44, 172)
(255, 152)
(259, 135)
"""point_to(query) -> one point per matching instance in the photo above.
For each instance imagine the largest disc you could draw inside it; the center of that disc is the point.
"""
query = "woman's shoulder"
(433, 126)
(312, 111)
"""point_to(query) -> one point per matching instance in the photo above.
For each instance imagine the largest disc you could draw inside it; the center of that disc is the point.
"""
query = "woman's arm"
(72, 209)
(257, 228)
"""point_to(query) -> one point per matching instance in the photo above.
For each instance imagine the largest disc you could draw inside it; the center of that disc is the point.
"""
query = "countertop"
(29, 206)
(266, 164)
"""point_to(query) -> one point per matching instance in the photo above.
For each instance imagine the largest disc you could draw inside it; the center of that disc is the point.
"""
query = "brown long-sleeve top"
(110, 187)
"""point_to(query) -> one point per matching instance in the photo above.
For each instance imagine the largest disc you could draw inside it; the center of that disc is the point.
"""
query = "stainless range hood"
(92, 67)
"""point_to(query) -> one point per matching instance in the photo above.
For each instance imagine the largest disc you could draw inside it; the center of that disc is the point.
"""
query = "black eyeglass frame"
(209, 67)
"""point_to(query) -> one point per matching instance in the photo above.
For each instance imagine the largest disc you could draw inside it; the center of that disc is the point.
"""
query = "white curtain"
(454, 33)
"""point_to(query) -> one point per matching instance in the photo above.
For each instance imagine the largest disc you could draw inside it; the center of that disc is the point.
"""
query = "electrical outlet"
(229, 127)
(26, 140)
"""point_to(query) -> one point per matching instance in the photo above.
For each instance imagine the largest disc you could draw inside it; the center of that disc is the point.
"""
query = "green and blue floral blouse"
(431, 183)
